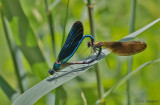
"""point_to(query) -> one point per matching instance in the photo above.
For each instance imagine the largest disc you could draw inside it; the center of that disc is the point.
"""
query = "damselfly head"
(89, 44)
(51, 71)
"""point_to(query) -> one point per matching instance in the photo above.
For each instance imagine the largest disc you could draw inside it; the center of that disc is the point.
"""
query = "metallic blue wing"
(74, 36)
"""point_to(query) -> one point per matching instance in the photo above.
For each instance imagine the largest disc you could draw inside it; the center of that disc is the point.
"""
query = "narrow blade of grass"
(124, 79)
(136, 33)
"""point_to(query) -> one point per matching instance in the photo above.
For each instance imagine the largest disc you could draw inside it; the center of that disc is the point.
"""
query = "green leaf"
(124, 79)
(7, 89)
(33, 94)
(14, 51)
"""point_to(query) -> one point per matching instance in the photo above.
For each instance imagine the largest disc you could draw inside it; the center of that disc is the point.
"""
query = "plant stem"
(13, 49)
(60, 97)
(132, 16)
(130, 59)
(65, 22)
(91, 19)
(130, 62)
(99, 82)
(93, 33)
(51, 26)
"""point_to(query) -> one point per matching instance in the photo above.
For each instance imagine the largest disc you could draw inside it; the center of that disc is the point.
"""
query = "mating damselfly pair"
(74, 39)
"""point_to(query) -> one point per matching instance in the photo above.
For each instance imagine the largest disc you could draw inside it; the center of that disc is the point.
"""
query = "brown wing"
(125, 48)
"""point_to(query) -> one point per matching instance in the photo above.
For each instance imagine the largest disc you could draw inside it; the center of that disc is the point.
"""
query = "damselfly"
(75, 38)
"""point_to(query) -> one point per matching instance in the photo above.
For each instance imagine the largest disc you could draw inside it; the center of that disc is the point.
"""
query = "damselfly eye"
(89, 44)
(51, 72)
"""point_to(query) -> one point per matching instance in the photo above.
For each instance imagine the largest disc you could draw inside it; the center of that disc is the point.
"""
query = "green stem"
(93, 33)
(132, 16)
(130, 59)
(65, 22)
(13, 50)
(60, 97)
(99, 82)
(130, 62)
(91, 18)
(51, 26)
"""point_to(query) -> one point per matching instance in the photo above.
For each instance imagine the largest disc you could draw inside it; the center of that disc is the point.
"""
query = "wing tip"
(78, 22)
(78, 25)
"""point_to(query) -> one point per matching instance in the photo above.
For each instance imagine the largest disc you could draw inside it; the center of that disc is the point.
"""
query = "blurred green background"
(36, 53)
